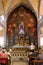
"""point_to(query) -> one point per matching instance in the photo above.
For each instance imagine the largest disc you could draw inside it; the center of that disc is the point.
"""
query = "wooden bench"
(37, 61)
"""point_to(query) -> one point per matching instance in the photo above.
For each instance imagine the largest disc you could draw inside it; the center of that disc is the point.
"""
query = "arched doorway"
(22, 27)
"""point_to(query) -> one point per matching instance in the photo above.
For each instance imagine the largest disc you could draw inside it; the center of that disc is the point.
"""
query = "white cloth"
(21, 31)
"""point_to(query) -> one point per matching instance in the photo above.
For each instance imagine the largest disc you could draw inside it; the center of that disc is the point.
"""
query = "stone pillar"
(3, 25)
(41, 8)
(40, 24)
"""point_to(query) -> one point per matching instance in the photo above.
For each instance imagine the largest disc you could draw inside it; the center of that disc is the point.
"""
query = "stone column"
(3, 20)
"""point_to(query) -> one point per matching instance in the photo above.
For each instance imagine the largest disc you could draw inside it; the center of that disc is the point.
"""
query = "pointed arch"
(32, 13)
(26, 4)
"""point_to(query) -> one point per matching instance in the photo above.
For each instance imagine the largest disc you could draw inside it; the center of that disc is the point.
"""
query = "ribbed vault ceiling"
(7, 5)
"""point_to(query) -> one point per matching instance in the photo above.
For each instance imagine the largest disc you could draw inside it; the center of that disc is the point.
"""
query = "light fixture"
(2, 17)
(41, 41)
(1, 41)
(40, 17)
(1, 28)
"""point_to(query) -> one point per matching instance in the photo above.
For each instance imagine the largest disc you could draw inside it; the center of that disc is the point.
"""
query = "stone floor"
(19, 63)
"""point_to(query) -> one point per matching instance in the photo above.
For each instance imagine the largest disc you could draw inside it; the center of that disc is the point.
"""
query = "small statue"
(32, 47)
(21, 28)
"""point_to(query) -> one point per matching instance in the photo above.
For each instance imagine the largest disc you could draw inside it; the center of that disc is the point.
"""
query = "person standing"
(0, 54)
(4, 57)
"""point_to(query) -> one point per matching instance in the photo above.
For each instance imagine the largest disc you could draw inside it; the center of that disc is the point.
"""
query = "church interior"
(21, 32)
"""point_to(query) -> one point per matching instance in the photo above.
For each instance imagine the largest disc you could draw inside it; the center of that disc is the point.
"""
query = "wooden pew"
(37, 61)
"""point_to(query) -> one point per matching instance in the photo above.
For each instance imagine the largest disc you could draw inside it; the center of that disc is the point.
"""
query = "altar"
(21, 33)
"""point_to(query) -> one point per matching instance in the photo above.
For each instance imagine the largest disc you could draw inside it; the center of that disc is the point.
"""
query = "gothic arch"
(28, 5)
(31, 12)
